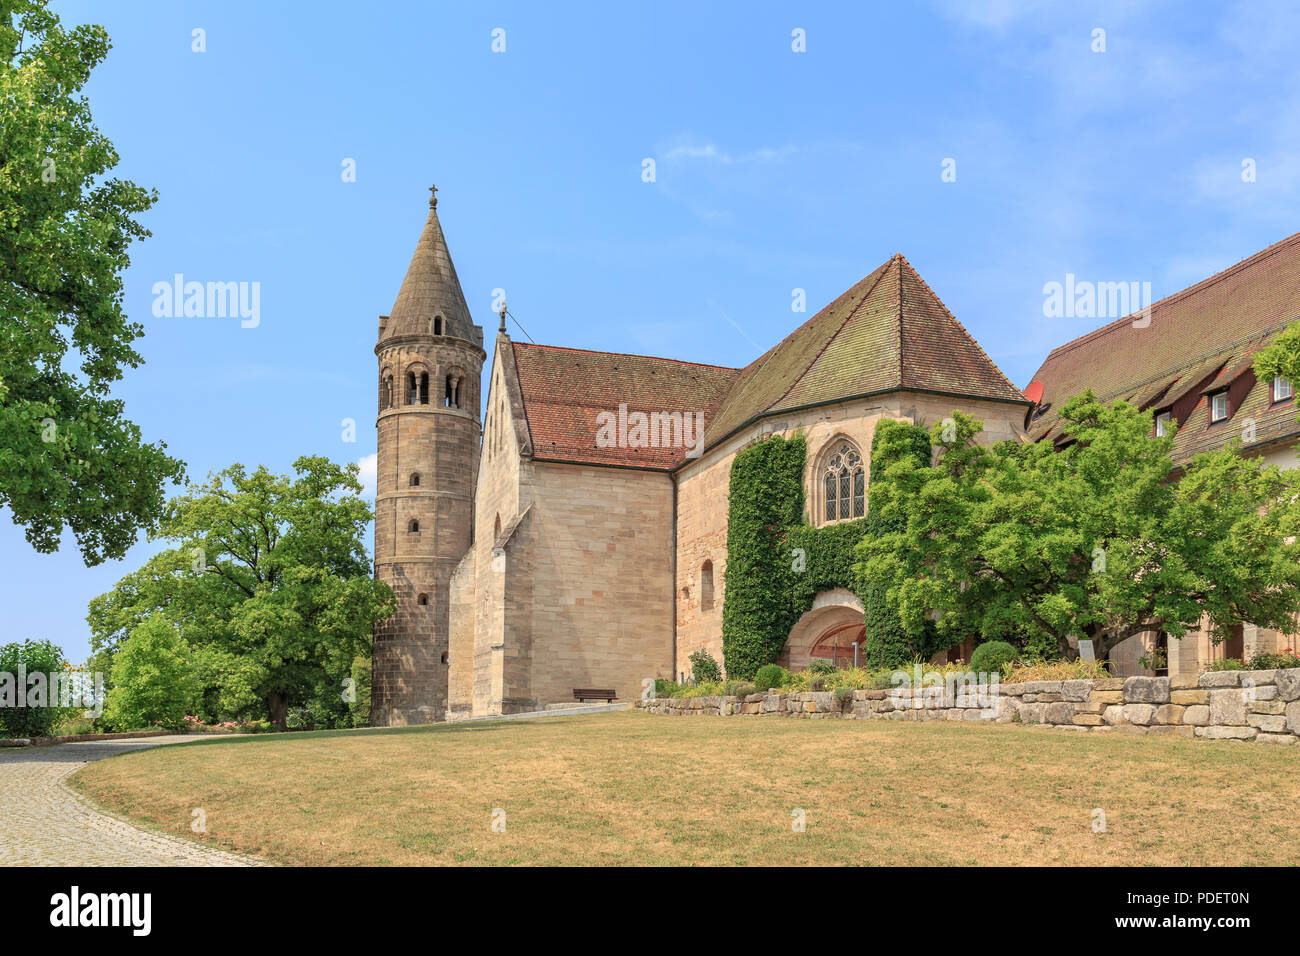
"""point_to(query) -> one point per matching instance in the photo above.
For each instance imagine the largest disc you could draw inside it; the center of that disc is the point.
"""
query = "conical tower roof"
(430, 289)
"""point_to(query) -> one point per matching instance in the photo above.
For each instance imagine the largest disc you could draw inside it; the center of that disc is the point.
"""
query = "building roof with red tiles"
(568, 394)
(889, 332)
(1187, 347)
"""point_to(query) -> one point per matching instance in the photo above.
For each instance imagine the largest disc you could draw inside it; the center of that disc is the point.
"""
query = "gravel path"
(44, 823)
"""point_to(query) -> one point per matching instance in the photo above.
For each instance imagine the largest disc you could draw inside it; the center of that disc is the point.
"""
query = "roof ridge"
(882, 269)
(1263, 254)
(957, 322)
(653, 358)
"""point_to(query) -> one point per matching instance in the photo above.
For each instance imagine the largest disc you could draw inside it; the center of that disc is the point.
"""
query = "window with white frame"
(1218, 406)
(1164, 422)
(1282, 389)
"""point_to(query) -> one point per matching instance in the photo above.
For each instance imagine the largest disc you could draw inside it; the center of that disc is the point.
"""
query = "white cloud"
(710, 152)
(369, 475)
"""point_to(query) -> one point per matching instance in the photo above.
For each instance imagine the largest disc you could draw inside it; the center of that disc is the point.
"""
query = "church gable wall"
(703, 488)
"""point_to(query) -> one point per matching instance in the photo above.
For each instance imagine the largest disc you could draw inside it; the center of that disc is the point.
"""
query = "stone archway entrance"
(829, 631)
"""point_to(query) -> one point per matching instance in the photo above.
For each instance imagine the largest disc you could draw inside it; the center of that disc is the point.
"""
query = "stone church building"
(576, 537)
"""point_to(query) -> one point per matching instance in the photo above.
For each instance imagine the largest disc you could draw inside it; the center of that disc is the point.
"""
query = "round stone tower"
(430, 359)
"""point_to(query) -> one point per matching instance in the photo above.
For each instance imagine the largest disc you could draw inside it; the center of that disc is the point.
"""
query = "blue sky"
(775, 170)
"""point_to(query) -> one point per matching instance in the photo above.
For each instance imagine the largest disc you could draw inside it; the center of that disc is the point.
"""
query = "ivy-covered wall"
(777, 563)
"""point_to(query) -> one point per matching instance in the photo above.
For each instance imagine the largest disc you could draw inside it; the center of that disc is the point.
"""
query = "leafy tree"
(35, 657)
(887, 643)
(154, 678)
(1281, 357)
(68, 457)
(268, 581)
(1097, 540)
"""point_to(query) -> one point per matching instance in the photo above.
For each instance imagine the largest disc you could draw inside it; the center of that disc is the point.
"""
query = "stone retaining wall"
(1219, 705)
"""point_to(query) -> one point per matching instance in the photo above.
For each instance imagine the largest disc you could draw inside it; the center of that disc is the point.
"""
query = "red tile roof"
(565, 390)
(1203, 337)
(888, 332)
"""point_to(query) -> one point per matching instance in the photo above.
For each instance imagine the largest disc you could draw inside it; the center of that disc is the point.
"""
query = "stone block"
(1227, 733)
(1285, 740)
(1188, 697)
(1170, 714)
(1221, 679)
(1113, 715)
(1184, 681)
(1266, 707)
(1107, 696)
(1293, 717)
(1108, 683)
(1288, 684)
(1146, 690)
(1197, 715)
(1130, 728)
(1171, 730)
(1058, 713)
(1076, 690)
(1140, 714)
(1032, 713)
(1088, 720)
(1267, 723)
(1227, 708)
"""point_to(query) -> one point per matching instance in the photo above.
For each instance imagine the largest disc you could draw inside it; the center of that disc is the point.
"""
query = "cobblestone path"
(44, 823)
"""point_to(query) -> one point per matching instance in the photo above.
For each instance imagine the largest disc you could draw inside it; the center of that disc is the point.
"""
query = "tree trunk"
(277, 706)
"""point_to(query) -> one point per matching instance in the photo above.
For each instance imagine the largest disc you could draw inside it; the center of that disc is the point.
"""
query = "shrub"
(36, 657)
(666, 688)
(1266, 662)
(154, 678)
(1022, 671)
(821, 666)
(739, 688)
(771, 675)
(989, 657)
(1226, 664)
(843, 696)
(704, 668)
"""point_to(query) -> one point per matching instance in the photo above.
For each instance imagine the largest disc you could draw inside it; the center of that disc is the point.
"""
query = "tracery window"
(845, 484)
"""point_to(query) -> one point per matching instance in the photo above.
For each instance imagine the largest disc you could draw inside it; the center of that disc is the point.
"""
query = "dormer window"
(1282, 389)
(1218, 407)
(1164, 422)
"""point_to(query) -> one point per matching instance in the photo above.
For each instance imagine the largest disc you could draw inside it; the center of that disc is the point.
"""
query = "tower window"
(706, 586)
(415, 480)
(386, 393)
(413, 527)
(452, 395)
(437, 325)
(424, 388)
(422, 600)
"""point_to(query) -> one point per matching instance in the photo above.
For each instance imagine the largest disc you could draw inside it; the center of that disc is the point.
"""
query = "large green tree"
(1281, 356)
(1097, 540)
(267, 580)
(68, 456)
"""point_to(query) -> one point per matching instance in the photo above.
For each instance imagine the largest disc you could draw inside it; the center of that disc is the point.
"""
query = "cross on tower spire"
(433, 197)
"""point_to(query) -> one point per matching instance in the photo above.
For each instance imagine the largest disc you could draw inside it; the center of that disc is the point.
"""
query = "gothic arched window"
(386, 392)
(844, 483)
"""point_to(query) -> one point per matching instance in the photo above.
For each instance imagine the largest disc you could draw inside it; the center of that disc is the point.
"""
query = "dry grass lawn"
(632, 788)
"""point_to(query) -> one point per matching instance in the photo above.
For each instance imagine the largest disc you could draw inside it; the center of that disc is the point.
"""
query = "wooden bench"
(593, 693)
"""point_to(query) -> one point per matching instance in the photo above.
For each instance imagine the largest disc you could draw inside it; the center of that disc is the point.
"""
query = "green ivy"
(777, 563)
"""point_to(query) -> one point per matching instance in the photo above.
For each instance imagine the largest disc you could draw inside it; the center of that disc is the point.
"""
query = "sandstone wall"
(1263, 706)
(703, 487)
